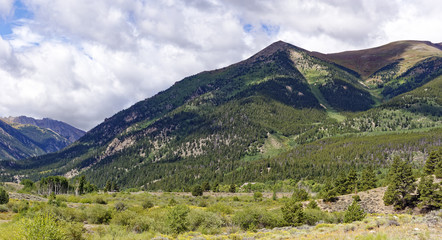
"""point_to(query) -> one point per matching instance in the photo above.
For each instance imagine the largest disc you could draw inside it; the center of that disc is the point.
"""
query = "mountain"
(24, 137)
(283, 113)
(63, 129)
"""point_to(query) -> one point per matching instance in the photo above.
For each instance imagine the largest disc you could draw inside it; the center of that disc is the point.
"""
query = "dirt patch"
(371, 202)
(29, 197)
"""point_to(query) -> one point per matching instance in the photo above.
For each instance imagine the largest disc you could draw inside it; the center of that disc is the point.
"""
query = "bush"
(220, 208)
(293, 213)
(177, 219)
(100, 200)
(4, 196)
(252, 218)
(257, 196)
(119, 207)
(197, 191)
(99, 215)
(354, 213)
(3, 209)
(207, 222)
(312, 205)
(299, 194)
(41, 226)
(147, 204)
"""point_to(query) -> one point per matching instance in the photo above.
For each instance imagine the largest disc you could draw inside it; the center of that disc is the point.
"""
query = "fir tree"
(401, 185)
(197, 191)
(429, 195)
(431, 163)
(354, 212)
(351, 182)
(368, 179)
(293, 213)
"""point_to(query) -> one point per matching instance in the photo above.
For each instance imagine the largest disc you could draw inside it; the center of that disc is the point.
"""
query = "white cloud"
(82, 61)
(6, 8)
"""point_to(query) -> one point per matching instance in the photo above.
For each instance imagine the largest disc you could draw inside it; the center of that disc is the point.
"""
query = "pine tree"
(197, 191)
(431, 163)
(206, 186)
(428, 193)
(354, 212)
(4, 196)
(81, 185)
(368, 179)
(293, 213)
(108, 186)
(351, 181)
(401, 185)
(299, 194)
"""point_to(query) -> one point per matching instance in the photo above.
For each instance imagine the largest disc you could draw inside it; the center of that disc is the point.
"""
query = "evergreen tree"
(431, 162)
(232, 188)
(215, 187)
(351, 181)
(206, 186)
(197, 191)
(354, 212)
(177, 218)
(293, 213)
(438, 169)
(312, 205)
(108, 186)
(4, 196)
(368, 179)
(341, 184)
(299, 194)
(429, 195)
(81, 185)
(401, 184)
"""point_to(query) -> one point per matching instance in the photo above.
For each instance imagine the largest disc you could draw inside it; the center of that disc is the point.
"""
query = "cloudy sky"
(81, 61)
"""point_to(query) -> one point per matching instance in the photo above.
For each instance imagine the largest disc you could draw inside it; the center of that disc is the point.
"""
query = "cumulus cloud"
(82, 61)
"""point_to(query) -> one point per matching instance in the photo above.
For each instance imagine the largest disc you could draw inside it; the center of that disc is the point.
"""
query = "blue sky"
(19, 12)
(82, 61)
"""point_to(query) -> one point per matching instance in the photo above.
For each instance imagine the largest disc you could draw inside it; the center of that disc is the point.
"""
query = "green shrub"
(4, 196)
(177, 219)
(197, 191)
(252, 218)
(257, 196)
(220, 208)
(293, 213)
(312, 216)
(147, 204)
(299, 194)
(3, 209)
(354, 213)
(356, 198)
(99, 215)
(207, 222)
(312, 205)
(100, 200)
(124, 218)
(120, 206)
(41, 226)
(73, 231)
(20, 207)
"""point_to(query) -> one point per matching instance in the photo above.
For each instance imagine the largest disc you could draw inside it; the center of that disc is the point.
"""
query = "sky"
(81, 61)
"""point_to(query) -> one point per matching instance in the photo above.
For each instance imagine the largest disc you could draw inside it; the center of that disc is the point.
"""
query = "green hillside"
(283, 113)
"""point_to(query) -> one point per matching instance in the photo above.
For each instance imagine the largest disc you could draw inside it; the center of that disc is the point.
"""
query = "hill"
(25, 137)
(283, 113)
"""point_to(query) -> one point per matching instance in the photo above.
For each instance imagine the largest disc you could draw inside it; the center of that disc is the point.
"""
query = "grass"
(210, 217)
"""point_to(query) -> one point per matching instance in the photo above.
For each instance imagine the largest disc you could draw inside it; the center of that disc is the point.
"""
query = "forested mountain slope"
(273, 116)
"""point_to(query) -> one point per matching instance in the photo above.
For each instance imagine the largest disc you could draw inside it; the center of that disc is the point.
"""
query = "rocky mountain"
(283, 113)
(24, 137)
(63, 129)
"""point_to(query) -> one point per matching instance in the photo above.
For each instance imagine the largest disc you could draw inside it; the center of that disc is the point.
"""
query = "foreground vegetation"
(75, 209)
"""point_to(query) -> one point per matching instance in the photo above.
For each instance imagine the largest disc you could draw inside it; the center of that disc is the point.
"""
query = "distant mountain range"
(24, 137)
(283, 113)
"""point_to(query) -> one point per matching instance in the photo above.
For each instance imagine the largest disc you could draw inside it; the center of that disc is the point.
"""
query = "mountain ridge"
(24, 137)
(215, 121)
